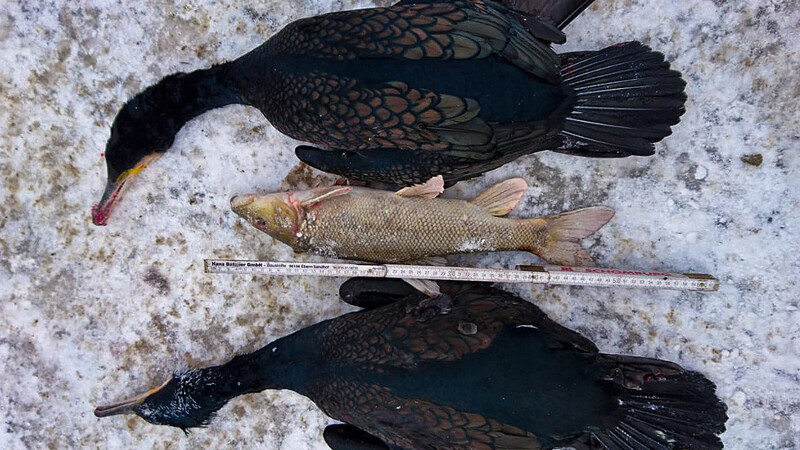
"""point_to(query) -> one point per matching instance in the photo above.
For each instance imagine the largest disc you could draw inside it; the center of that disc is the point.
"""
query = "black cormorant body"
(424, 88)
(475, 368)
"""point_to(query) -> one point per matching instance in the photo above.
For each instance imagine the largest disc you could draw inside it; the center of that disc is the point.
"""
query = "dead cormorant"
(423, 88)
(475, 368)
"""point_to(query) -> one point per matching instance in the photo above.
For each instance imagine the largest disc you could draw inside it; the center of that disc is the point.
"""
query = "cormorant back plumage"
(423, 88)
(476, 367)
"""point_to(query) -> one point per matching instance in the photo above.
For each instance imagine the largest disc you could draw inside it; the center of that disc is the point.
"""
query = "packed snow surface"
(90, 315)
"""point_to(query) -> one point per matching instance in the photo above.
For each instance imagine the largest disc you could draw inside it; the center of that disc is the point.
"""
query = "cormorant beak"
(128, 406)
(102, 210)
(115, 189)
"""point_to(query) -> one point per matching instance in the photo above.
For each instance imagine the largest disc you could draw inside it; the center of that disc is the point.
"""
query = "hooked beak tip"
(102, 210)
(99, 216)
(101, 411)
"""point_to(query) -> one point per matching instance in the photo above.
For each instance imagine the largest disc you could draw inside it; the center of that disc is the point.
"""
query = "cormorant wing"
(350, 116)
(438, 30)
(381, 350)
(408, 423)
(464, 320)
(519, 313)
(558, 12)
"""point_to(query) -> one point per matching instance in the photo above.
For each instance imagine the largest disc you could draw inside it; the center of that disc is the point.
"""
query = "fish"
(414, 225)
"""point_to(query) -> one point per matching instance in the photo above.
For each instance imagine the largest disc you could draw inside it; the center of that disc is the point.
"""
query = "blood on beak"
(115, 189)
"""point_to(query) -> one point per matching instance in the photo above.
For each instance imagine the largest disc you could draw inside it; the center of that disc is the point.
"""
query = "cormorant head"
(141, 133)
(146, 126)
(184, 401)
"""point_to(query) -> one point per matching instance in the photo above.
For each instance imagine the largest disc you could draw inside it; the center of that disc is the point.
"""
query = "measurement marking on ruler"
(554, 275)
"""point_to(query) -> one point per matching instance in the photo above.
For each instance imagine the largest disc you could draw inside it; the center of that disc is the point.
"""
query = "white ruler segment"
(556, 275)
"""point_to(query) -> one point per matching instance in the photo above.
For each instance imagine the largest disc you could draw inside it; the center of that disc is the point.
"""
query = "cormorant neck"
(283, 364)
(191, 398)
(179, 98)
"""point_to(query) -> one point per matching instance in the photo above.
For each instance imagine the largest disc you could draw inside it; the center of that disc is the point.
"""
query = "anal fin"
(436, 261)
(427, 287)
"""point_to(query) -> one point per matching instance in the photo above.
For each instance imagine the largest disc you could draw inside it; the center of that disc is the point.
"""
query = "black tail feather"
(664, 407)
(627, 98)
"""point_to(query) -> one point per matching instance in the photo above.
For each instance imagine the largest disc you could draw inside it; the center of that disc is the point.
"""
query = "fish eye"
(261, 223)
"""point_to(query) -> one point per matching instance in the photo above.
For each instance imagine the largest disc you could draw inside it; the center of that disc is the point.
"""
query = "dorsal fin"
(429, 189)
(318, 195)
(501, 198)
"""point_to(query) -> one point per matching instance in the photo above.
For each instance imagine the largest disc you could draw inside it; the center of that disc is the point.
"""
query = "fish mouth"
(239, 202)
(127, 406)
(242, 205)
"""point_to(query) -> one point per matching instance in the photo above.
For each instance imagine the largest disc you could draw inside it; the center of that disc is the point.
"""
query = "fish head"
(283, 215)
(280, 215)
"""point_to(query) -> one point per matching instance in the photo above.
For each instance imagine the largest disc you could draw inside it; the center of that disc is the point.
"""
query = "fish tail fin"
(565, 231)
(627, 99)
(663, 406)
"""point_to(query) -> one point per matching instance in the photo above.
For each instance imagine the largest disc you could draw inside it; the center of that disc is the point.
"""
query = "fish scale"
(401, 229)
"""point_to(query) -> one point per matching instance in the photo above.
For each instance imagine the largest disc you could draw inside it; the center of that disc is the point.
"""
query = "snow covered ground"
(90, 315)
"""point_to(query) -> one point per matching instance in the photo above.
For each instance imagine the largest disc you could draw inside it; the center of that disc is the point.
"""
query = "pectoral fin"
(501, 198)
(427, 287)
(318, 195)
(429, 189)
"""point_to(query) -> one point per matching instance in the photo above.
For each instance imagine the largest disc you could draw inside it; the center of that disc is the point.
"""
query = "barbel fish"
(414, 226)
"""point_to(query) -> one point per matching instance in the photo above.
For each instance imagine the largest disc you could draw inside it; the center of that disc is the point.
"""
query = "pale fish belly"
(385, 227)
